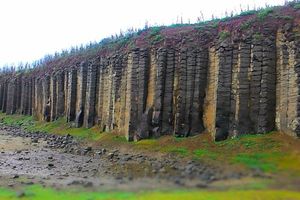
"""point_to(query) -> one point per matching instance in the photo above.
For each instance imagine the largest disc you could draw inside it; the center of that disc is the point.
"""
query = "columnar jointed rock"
(71, 97)
(81, 93)
(225, 86)
(91, 94)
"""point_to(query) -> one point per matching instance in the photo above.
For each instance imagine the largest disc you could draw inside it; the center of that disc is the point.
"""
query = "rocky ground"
(63, 162)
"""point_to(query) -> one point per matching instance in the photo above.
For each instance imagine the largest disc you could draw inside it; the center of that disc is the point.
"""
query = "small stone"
(35, 140)
(111, 155)
(15, 176)
(88, 149)
(50, 165)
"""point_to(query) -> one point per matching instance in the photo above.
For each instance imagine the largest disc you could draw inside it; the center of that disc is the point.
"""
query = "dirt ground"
(62, 162)
(33, 159)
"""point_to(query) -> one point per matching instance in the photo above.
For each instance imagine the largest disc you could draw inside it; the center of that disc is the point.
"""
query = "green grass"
(203, 153)
(224, 35)
(259, 161)
(59, 126)
(262, 14)
(252, 151)
(40, 193)
(177, 150)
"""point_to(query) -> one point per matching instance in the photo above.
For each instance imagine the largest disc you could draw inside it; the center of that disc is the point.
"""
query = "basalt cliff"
(239, 75)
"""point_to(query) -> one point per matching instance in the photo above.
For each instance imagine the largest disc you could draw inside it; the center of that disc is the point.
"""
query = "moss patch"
(40, 193)
(272, 152)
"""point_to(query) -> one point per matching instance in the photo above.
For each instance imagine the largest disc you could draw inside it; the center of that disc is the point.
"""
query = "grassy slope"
(39, 193)
(273, 153)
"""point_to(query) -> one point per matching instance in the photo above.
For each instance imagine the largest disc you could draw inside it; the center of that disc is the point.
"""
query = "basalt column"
(106, 95)
(190, 84)
(38, 96)
(4, 98)
(159, 88)
(209, 117)
(81, 93)
(168, 87)
(72, 93)
(121, 86)
(18, 93)
(143, 115)
(90, 103)
(199, 83)
(60, 94)
(268, 86)
(262, 84)
(131, 95)
(24, 96)
(240, 89)
(66, 91)
(1, 92)
(46, 99)
(116, 106)
(53, 97)
(288, 65)
(11, 97)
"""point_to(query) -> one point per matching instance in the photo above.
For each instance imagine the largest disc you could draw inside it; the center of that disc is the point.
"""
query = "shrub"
(248, 12)
(297, 6)
(264, 13)
(223, 35)
(246, 25)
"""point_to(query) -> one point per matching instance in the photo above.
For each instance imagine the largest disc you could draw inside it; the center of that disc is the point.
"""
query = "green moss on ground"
(269, 152)
(40, 193)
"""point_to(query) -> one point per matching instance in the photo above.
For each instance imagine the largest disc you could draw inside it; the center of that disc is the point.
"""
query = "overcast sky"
(29, 29)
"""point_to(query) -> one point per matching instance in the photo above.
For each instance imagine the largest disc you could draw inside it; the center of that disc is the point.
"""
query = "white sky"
(29, 29)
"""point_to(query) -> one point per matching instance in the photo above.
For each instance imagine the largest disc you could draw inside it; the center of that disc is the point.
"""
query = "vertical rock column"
(60, 94)
(11, 97)
(81, 93)
(53, 97)
(100, 81)
(106, 98)
(223, 107)
(167, 110)
(24, 96)
(161, 63)
(18, 93)
(46, 99)
(267, 111)
(38, 93)
(287, 87)
(143, 115)
(66, 91)
(121, 74)
(199, 86)
(91, 95)
(72, 93)
(180, 128)
(131, 95)
(190, 84)
(30, 97)
(4, 97)
(240, 89)
(1, 92)
(116, 106)
(209, 117)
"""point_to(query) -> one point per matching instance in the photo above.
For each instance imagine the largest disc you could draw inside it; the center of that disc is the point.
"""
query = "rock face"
(245, 83)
